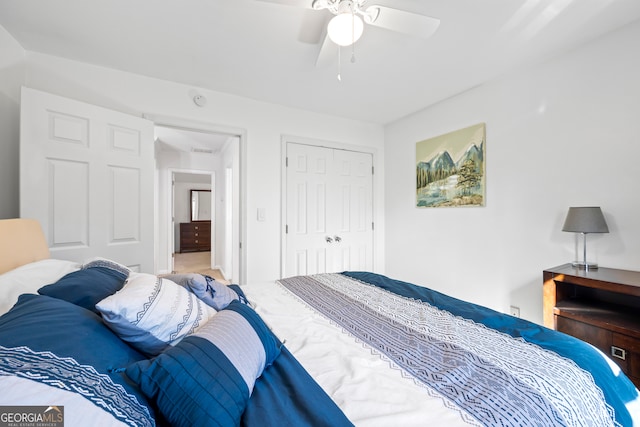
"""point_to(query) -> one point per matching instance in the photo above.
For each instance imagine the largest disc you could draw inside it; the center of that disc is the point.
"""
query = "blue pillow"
(238, 290)
(213, 293)
(86, 287)
(107, 263)
(208, 377)
(45, 324)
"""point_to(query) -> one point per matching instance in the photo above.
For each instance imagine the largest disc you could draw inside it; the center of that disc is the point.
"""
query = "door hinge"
(286, 162)
(373, 170)
(373, 226)
(286, 229)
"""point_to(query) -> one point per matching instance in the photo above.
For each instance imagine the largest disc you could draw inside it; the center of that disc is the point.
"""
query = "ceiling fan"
(349, 16)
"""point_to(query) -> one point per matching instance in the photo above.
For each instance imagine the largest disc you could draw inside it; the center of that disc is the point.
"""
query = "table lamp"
(585, 220)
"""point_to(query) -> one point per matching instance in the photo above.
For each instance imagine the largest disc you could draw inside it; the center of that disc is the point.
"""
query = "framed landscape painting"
(450, 169)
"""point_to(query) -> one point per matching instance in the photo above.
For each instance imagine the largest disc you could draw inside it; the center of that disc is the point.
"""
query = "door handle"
(338, 239)
(328, 239)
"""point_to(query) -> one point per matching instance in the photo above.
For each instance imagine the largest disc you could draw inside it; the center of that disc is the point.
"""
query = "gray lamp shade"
(585, 220)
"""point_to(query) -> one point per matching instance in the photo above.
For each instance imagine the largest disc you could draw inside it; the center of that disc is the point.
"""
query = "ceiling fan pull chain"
(339, 65)
(353, 35)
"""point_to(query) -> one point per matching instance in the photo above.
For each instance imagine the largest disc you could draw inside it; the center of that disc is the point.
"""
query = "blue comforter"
(618, 390)
(499, 369)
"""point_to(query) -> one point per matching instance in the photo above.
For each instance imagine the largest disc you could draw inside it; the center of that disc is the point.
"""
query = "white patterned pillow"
(152, 313)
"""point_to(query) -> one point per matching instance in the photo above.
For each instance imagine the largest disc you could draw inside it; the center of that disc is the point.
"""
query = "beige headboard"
(21, 242)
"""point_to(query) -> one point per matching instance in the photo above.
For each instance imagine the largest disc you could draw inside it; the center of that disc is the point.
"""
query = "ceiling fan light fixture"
(345, 29)
(319, 4)
(371, 14)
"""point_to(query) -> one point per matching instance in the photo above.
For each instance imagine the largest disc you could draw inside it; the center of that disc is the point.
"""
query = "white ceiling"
(267, 51)
(174, 139)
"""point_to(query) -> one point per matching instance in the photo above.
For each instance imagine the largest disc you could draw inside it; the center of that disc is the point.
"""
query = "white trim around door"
(288, 139)
(241, 134)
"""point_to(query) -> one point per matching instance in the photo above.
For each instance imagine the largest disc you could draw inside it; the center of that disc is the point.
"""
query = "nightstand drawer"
(598, 337)
(622, 349)
(627, 353)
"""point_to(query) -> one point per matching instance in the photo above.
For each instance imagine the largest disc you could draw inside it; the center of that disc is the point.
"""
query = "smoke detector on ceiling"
(200, 100)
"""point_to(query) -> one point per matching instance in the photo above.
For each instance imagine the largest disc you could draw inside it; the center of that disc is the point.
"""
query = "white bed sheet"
(28, 278)
(365, 386)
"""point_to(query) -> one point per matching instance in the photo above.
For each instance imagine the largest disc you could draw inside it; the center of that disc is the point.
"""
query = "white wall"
(566, 133)
(263, 123)
(11, 78)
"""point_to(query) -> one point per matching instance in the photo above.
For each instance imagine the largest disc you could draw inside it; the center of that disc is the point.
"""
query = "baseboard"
(217, 267)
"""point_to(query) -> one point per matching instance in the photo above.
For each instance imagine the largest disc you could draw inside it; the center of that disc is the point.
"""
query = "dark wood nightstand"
(601, 307)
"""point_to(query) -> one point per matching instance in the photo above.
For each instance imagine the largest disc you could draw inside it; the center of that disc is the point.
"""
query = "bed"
(107, 346)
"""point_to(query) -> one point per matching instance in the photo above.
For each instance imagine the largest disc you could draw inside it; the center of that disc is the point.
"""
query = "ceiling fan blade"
(327, 52)
(402, 21)
(313, 28)
(299, 3)
(313, 22)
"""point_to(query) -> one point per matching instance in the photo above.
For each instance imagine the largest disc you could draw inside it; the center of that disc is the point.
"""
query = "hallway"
(196, 262)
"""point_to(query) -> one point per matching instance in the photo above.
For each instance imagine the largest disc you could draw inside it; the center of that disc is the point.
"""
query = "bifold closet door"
(352, 211)
(86, 173)
(329, 210)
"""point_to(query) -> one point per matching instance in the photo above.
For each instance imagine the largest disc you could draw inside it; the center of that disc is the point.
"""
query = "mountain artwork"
(450, 169)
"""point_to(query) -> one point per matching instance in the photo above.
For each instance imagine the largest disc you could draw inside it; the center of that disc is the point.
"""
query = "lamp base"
(585, 265)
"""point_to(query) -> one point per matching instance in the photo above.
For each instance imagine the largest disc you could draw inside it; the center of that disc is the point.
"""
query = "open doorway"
(199, 158)
(194, 232)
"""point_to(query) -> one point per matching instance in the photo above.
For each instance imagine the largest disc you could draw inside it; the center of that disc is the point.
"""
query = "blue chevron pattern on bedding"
(67, 374)
(496, 369)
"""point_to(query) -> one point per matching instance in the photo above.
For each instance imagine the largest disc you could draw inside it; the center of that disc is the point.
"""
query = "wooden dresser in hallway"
(195, 236)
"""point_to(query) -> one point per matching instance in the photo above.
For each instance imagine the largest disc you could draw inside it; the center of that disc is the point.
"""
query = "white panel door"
(307, 181)
(86, 173)
(329, 210)
(352, 207)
